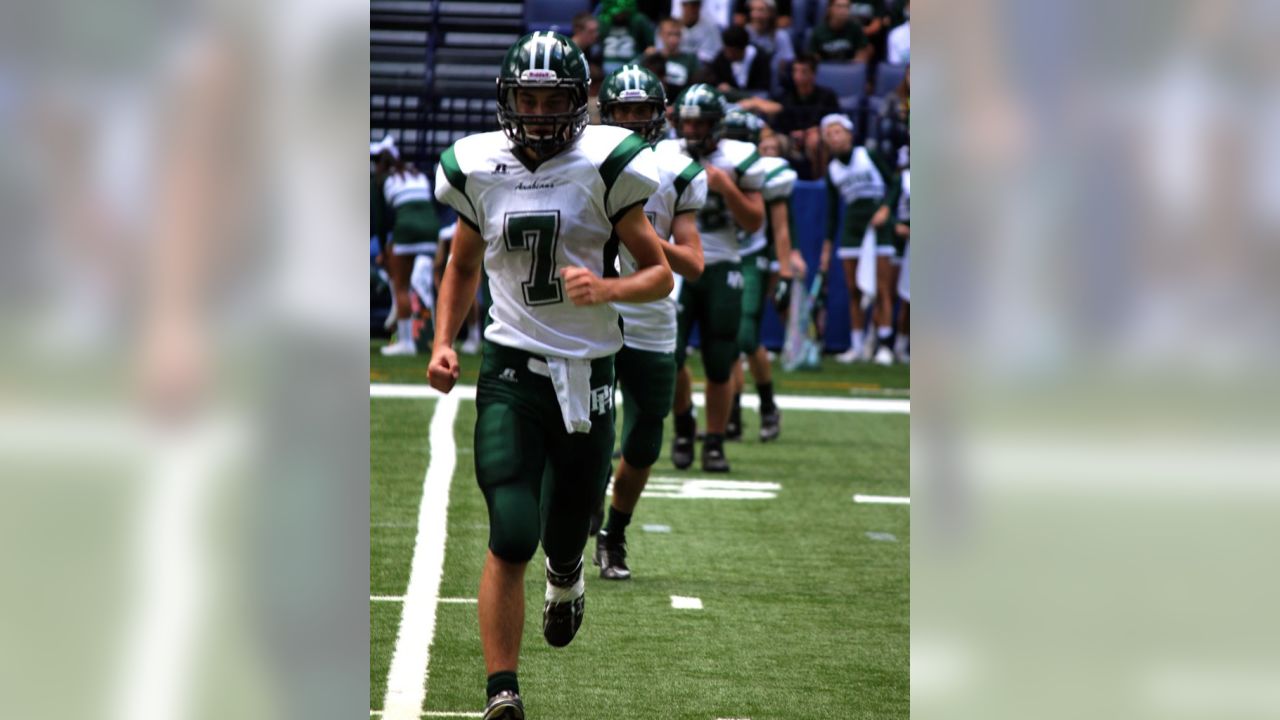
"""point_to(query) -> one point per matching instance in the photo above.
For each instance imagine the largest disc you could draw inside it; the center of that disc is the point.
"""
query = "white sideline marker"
(656, 528)
(685, 603)
(408, 676)
(446, 714)
(881, 500)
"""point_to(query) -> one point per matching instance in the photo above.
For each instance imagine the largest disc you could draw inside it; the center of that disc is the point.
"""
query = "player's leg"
(857, 321)
(400, 267)
(577, 470)
(686, 426)
(509, 456)
(718, 320)
(648, 384)
(754, 269)
(762, 373)
(886, 285)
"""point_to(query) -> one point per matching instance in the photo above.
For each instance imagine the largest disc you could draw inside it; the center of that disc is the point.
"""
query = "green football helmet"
(742, 125)
(632, 84)
(701, 102)
(543, 60)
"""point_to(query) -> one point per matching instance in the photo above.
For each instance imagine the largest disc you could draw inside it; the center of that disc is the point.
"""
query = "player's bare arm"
(747, 208)
(780, 223)
(685, 255)
(457, 292)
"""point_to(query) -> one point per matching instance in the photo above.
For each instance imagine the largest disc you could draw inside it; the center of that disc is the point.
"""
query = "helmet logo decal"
(538, 76)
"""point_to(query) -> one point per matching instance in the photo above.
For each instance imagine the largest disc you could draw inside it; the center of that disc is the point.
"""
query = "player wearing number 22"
(543, 204)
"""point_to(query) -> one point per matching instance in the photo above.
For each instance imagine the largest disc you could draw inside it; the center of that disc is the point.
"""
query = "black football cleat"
(611, 557)
(713, 459)
(682, 450)
(563, 609)
(770, 425)
(506, 705)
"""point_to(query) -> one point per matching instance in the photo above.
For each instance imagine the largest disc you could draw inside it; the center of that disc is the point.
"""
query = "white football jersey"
(715, 222)
(536, 221)
(779, 181)
(860, 179)
(682, 187)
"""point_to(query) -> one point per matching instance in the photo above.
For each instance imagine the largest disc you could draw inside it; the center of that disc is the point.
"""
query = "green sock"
(502, 680)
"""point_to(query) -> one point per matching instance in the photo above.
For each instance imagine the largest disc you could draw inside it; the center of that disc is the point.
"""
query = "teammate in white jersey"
(714, 301)
(543, 204)
(758, 251)
(633, 98)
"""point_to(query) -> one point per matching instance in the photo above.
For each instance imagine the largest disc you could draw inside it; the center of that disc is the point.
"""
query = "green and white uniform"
(859, 182)
(758, 251)
(714, 301)
(546, 361)
(682, 188)
(417, 225)
(536, 221)
(646, 366)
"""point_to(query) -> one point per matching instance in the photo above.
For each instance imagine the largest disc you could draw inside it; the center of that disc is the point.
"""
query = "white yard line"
(881, 500)
(407, 678)
(786, 402)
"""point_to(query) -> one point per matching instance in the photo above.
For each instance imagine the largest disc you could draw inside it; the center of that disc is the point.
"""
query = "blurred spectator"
(874, 19)
(767, 35)
(739, 66)
(624, 32)
(667, 61)
(898, 51)
(839, 38)
(655, 10)
(796, 113)
(742, 13)
(701, 35)
(586, 35)
(593, 92)
(894, 122)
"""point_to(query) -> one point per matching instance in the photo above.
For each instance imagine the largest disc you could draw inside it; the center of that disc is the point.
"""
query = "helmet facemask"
(542, 134)
(706, 143)
(651, 129)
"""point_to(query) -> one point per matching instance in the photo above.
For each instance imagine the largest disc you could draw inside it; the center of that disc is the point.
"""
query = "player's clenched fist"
(583, 287)
(443, 371)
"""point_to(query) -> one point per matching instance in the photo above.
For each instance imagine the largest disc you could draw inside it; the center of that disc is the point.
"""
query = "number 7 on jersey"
(539, 233)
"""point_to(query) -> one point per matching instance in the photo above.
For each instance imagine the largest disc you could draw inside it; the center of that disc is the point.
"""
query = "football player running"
(633, 98)
(714, 301)
(758, 250)
(542, 204)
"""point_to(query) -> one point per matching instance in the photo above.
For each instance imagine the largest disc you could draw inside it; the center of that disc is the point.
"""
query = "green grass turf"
(804, 616)
(857, 380)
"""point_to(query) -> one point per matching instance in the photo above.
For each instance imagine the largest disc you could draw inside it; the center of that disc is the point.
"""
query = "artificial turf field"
(805, 595)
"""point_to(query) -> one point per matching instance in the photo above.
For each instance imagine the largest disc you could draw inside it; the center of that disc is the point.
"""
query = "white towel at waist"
(572, 381)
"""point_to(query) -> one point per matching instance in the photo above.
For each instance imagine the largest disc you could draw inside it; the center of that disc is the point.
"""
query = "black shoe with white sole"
(506, 705)
(770, 425)
(611, 557)
(565, 602)
(713, 458)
